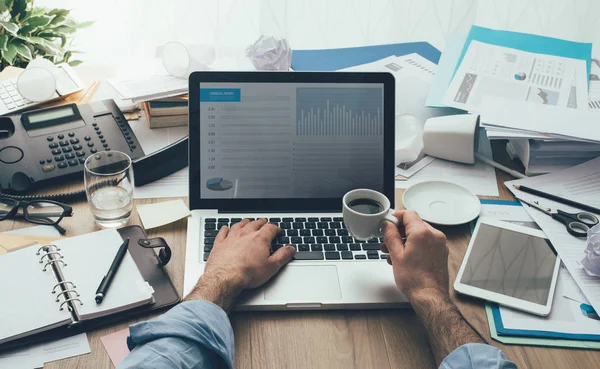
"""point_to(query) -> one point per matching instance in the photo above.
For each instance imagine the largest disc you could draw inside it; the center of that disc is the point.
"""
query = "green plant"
(27, 32)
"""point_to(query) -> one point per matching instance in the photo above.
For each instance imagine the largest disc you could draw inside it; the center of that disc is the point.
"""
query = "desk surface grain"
(379, 339)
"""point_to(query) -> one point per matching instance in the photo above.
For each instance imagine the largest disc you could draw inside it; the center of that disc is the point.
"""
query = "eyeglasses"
(44, 212)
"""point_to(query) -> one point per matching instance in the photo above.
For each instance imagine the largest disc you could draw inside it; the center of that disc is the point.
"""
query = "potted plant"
(27, 32)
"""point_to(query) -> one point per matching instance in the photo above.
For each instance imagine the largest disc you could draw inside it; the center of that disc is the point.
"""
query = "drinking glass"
(108, 177)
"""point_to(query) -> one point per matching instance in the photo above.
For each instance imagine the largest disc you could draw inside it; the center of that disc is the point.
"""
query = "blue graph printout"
(290, 140)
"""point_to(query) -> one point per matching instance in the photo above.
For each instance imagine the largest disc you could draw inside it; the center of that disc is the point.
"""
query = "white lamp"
(455, 138)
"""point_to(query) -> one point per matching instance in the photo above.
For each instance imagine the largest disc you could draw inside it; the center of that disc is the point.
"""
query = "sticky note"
(161, 213)
(115, 345)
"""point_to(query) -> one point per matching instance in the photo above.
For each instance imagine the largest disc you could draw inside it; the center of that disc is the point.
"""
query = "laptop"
(287, 146)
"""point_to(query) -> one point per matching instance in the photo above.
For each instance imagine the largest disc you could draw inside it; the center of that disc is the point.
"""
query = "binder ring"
(50, 253)
(52, 262)
(47, 248)
(63, 282)
(67, 296)
(69, 300)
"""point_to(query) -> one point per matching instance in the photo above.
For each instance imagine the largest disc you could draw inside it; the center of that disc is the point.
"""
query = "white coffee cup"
(365, 211)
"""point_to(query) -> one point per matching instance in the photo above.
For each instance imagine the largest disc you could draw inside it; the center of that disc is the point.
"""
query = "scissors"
(578, 224)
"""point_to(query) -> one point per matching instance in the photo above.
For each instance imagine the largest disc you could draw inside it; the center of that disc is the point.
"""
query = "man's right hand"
(420, 262)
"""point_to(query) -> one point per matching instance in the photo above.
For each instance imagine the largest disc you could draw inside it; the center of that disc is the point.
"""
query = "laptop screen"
(290, 140)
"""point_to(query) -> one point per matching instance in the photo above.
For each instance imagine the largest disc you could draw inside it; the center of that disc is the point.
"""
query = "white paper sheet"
(36, 356)
(40, 230)
(414, 77)
(491, 70)
(479, 178)
(149, 87)
(26, 358)
(566, 315)
(174, 185)
(580, 183)
(65, 348)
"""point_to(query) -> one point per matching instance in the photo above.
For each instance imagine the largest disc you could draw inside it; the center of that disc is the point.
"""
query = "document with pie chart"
(490, 70)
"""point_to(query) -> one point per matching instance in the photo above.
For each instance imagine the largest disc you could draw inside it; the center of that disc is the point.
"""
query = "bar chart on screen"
(339, 112)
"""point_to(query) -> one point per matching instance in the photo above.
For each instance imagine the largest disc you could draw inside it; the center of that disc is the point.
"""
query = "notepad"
(48, 286)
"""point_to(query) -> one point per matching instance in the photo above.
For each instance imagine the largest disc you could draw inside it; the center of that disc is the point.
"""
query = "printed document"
(579, 183)
(490, 70)
(594, 93)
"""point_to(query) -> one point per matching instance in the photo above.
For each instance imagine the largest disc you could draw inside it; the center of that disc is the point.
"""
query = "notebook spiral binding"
(62, 288)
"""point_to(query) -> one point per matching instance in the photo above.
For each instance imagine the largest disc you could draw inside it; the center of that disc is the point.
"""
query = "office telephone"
(49, 144)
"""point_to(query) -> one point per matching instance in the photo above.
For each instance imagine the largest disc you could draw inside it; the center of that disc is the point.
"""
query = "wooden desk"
(379, 339)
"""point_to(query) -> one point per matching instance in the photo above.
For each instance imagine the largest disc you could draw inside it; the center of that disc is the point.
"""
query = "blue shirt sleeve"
(477, 356)
(194, 334)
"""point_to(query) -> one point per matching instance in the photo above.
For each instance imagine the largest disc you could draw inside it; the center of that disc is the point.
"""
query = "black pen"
(110, 275)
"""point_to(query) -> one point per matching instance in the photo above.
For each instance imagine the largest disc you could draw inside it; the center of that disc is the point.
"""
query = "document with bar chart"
(286, 140)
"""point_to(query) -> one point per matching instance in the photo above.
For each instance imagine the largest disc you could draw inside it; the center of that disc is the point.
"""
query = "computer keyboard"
(315, 238)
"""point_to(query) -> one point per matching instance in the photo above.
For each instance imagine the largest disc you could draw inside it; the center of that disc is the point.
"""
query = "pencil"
(562, 200)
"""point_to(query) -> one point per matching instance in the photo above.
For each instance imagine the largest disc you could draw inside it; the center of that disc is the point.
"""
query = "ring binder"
(63, 282)
(66, 293)
(50, 253)
(70, 295)
(52, 261)
(46, 247)
(70, 305)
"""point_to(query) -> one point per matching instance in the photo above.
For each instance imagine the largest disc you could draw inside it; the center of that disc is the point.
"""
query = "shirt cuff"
(477, 355)
(199, 322)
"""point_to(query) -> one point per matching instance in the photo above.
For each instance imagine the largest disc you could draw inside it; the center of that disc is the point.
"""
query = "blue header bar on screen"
(220, 95)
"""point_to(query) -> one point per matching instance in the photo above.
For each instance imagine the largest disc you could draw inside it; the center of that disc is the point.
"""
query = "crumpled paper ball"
(591, 261)
(270, 53)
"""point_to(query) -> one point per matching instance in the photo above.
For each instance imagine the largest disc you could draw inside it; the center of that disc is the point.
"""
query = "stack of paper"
(526, 87)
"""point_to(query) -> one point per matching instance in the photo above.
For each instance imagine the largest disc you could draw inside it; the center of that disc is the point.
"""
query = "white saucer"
(442, 202)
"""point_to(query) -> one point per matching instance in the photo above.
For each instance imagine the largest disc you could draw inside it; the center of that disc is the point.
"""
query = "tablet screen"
(511, 263)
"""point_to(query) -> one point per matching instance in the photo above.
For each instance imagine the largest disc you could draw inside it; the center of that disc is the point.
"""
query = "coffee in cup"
(365, 211)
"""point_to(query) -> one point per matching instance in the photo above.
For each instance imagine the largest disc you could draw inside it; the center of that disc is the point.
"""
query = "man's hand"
(421, 272)
(421, 261)
(240, 259)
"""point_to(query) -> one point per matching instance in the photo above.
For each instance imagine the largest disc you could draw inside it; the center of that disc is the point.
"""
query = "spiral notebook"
(48, 286)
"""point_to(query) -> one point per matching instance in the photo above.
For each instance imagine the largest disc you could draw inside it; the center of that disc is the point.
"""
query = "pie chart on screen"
(218, 184)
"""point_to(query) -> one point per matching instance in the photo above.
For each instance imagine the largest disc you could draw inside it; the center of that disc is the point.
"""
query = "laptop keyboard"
(315, 238)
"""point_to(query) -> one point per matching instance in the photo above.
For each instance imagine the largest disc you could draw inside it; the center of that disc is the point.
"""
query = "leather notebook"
(52, 286)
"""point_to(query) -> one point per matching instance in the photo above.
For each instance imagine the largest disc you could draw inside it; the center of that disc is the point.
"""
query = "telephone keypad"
(68, 152)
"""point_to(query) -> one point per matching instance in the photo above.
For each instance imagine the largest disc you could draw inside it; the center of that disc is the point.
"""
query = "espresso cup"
(365, 211)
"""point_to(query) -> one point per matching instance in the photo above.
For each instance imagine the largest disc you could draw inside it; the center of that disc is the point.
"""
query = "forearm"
(445, 325)
(194, 334)
(219, 290)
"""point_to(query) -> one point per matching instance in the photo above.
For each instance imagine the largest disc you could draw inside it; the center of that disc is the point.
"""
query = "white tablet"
(510, 264)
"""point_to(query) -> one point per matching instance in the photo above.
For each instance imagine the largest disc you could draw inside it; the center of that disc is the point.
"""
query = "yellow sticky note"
(161, 213)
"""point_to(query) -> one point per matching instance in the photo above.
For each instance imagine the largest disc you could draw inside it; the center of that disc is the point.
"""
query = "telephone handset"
(11, 101)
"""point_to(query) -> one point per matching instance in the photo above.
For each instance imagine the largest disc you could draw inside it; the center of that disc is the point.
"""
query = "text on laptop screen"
(290, 140)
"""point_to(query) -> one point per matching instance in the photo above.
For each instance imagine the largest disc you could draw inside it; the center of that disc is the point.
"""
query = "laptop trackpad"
(305, 283)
